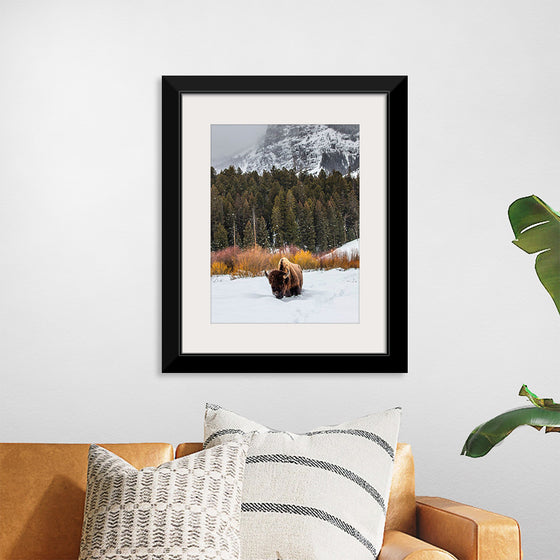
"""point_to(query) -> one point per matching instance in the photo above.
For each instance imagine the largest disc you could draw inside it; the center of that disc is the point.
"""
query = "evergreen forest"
(281, 207)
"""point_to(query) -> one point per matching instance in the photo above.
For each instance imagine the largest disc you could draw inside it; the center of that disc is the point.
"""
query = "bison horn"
(266, 273)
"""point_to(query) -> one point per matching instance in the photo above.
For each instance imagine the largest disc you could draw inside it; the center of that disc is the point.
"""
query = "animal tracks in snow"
(328, 296)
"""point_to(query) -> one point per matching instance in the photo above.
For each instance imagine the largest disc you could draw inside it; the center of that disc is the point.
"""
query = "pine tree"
(216, 206)
(335, 227)
(322, 179)
(352, 217)
(321, 228)
(277, 221)
(307, 226)
(291, 234)
(262, 233)
(219, 238)
(248, 237)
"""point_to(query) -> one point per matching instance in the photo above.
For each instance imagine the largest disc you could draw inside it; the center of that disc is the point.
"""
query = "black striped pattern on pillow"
(320, 494)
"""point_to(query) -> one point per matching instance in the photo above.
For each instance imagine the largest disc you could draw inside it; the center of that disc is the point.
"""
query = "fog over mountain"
(303, 147)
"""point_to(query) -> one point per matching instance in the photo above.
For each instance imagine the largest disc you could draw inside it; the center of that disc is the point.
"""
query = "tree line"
(281, 207)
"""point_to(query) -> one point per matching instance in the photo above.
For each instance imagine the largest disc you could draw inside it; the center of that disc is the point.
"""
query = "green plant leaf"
(536, 227)
(483, 438)
(537, 401)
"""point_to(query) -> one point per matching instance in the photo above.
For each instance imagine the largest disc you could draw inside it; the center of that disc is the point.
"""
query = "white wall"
(80, 225)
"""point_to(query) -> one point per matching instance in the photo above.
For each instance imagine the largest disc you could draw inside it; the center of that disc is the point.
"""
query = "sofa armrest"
(467, 532)
(401, 546)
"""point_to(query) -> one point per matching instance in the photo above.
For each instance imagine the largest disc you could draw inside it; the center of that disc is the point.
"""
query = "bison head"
(278, 281)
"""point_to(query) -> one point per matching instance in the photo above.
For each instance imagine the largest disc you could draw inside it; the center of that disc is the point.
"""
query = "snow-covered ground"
(349, 249)
(328, 296)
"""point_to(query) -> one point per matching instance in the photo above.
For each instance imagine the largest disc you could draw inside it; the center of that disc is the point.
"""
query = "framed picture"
(284, 224)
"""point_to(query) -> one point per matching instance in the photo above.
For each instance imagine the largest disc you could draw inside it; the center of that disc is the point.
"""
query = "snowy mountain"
(303, 147)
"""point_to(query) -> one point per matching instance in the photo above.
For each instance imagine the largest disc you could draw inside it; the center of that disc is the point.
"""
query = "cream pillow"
(187, 509)
(321, 495)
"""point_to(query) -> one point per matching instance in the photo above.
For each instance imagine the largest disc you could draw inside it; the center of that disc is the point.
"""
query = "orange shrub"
(226, 256)
(252, 262)
(219, 267)
(306, 260)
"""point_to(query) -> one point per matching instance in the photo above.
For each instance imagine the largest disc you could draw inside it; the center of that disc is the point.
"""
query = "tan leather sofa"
(42, 492)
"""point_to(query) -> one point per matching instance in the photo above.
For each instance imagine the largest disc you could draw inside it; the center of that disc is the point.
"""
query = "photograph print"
(285, 223)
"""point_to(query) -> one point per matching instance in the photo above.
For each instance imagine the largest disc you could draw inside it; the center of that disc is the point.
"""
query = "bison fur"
(286, 280)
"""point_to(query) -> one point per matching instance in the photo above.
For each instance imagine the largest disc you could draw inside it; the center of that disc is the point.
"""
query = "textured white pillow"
(321, 495)
(187, 509)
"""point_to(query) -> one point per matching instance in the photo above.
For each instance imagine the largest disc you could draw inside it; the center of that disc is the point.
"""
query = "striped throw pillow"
(187, 509)
(320, 495)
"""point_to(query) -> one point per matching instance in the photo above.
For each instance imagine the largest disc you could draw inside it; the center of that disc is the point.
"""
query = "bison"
(287, 280)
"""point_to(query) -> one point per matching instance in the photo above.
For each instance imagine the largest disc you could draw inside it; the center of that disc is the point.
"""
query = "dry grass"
(253, 262)
(334, 260)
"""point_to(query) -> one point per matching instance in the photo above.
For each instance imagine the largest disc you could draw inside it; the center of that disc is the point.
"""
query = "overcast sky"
(229, 139)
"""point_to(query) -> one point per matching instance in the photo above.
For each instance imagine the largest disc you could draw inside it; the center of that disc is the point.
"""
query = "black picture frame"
(395, 360)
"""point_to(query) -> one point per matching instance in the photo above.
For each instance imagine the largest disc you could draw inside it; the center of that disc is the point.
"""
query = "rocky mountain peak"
(303, 147)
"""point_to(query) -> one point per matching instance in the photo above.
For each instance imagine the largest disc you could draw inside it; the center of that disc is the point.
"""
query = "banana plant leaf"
(543, 413)
(537, 401)
(536, 227)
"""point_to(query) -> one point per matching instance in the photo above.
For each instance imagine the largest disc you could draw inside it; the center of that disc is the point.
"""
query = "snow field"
(349, 249)
(328, 296)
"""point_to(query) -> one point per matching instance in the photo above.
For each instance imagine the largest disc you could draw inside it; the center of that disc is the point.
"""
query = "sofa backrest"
(43, 485)
(42, 494)
(401, 510)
